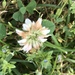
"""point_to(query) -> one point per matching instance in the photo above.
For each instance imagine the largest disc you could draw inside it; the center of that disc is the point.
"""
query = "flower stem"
(55, 40)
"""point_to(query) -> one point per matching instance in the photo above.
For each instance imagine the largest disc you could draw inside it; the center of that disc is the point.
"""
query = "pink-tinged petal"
(22, 34)
(28, 21)
(26, 27)
(19, 32)
(33, 26)
(22, 42)
(45, 31)
(27, 47)
(38, 24)
(43, 40)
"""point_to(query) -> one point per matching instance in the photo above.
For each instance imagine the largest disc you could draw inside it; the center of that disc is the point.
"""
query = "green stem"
(48, 44)
(68, 16)
(3, 42)
(54, 65)
(68, 20)
(55, 40)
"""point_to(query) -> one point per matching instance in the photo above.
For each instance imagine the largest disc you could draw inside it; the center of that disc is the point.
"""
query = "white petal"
(26, 27)
(47, 35)
(27, 47)
(46, 31)
(40, 20)
(43, 40)
(44, 27)
(22, 42)
(33, 23)
(28, 21)
(18, 31)
(41, 37)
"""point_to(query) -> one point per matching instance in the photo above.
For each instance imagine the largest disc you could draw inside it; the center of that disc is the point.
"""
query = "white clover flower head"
(33, 35)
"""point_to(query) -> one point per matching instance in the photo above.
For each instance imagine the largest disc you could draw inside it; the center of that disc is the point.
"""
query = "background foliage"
(57, 56)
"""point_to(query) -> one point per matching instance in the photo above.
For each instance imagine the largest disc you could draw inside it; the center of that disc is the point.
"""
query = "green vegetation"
(56, 56)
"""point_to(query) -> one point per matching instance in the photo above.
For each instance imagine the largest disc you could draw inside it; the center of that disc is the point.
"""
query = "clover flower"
(33, 35)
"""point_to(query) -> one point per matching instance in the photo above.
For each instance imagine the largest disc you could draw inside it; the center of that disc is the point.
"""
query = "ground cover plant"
(37, 37)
